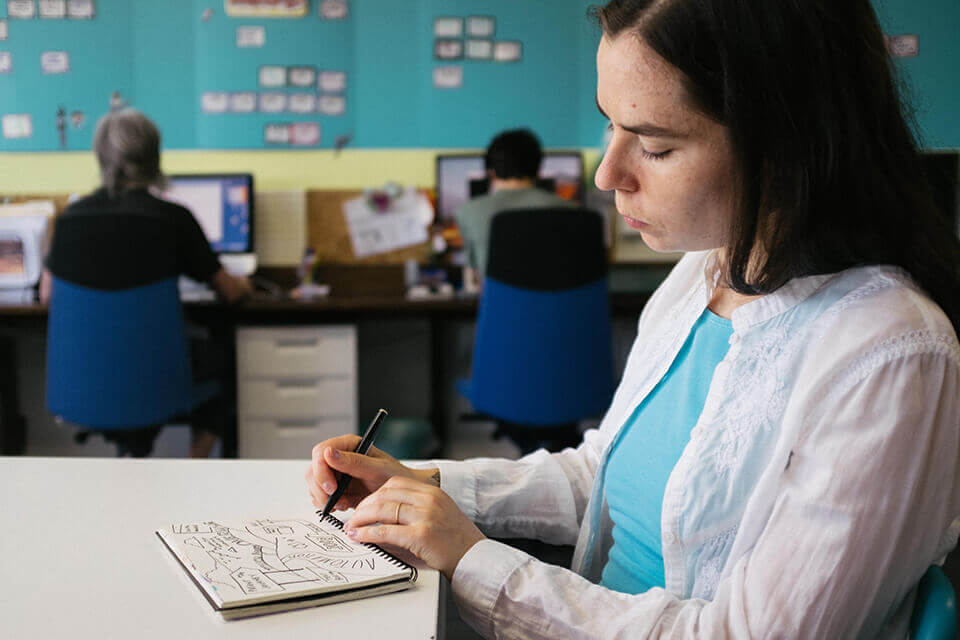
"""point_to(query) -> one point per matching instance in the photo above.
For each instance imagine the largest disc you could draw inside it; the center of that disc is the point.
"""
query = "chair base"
(530, 437)
(135, 443)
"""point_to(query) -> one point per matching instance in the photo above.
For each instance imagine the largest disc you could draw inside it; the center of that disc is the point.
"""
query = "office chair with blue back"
(542, 358)
(118, 361)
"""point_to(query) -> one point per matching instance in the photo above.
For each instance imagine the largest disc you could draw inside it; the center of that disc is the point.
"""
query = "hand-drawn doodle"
(269, 556)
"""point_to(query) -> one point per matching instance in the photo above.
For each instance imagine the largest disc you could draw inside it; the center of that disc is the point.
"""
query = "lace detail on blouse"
(901, 346)
(714, 555)
(748, 413)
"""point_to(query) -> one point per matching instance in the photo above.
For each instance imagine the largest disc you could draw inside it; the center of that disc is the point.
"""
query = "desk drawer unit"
(289, 438)
(289, 352)
(296, 386)
(297, 398)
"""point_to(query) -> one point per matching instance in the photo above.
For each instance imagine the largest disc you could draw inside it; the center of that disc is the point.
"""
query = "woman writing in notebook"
(782, 456)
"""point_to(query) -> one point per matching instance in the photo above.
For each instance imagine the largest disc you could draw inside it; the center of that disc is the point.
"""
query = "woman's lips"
(633, 223)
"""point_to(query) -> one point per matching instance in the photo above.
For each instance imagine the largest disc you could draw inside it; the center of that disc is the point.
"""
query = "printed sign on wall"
(80, 9)
(53, 8)
(251, 37)
(266, 8)
(334, 9)
(55, 62)
(448, 77)
(21, 9)
(17, 125)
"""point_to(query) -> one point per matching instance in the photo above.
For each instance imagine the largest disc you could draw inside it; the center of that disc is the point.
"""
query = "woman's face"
(672, 168)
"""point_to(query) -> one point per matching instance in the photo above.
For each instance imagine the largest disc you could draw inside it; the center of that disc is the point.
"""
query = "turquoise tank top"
(647, 449)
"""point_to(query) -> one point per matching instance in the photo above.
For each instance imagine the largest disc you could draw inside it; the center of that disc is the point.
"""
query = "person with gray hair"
(127, 146)
(122, 236)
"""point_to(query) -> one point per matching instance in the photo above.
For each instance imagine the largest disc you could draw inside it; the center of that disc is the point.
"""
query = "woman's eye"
(655, 156)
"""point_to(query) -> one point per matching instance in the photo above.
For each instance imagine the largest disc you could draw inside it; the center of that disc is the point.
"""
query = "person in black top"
(122, 236)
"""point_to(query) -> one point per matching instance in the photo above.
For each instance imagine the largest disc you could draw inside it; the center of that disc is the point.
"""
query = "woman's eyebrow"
(645, 129)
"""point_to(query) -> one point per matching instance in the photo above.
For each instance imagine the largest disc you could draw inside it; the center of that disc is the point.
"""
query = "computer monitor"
(462, 176)
(23, 230)
(223, 205)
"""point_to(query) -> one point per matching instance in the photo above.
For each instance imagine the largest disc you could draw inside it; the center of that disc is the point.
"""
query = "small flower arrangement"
(380, 200)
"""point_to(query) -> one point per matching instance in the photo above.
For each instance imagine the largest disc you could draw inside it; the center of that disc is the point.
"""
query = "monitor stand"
(18, 296)
(239, 264)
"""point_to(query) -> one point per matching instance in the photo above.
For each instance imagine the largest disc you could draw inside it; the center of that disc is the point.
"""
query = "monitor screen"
(12, 256)
(21, 246)
(222, 204)
(462, 176)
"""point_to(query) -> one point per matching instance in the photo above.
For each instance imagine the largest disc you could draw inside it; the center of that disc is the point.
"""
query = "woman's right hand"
(369, 471)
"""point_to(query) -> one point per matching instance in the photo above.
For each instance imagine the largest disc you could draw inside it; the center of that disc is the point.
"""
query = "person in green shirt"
(512, 163)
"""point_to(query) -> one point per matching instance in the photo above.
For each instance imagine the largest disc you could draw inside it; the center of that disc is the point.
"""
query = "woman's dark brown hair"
(831, 172)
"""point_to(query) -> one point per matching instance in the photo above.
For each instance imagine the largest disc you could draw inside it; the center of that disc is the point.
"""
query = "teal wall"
(932, 79)
(161, 56)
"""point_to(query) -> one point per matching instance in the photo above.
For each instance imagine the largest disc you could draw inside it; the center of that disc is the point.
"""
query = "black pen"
(362, 448)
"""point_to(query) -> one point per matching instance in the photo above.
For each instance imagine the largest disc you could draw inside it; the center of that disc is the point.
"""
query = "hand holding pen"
(368, 471)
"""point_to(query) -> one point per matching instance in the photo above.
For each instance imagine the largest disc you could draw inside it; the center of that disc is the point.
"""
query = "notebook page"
(267, 559)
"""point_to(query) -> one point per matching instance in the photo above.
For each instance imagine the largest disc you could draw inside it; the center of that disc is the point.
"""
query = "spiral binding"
(383, 553)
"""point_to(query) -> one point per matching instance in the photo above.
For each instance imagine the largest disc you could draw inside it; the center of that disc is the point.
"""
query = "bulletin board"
(396, 74)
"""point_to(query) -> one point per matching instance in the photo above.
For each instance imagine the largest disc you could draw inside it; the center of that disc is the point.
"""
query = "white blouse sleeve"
(862, 510)
(540, 496)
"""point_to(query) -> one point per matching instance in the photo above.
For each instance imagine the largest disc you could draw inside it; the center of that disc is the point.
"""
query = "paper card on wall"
(3, 29)
(272, 76)
(479, 49)
(332, 105)
(82, 9)
(266, 8)
(301, 76)
(305, 134)
(334, 9)
(55, 62)
(53, 8)
(508, 51)
(302, 102)
(243, 102)
(481, 26)
(276, 134)
(251, 37)
(6, 62)
(401, 225)
(447, 49)
(273, 102)
(215, 102)
(333, 81)
(447, 27)
(17, 125)
(448, 77)
(903, 46)
(21, 9)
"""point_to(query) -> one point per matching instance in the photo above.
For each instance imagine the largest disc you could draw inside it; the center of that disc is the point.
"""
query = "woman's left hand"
(418, 517)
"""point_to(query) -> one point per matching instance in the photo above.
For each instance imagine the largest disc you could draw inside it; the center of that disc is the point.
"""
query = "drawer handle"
(296, 425)
(296, 386)
(294, 343)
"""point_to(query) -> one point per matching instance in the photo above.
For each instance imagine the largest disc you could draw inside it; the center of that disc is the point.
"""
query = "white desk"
(79, 559)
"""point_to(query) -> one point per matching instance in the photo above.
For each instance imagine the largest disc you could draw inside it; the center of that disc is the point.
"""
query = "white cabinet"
(296, 386)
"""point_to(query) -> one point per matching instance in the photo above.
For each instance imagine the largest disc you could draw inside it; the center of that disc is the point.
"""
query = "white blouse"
(820, 482)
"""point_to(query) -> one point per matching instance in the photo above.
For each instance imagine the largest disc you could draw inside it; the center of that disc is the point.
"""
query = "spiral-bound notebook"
(263, 566)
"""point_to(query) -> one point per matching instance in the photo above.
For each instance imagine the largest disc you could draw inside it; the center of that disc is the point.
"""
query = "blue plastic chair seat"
(117, 358)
